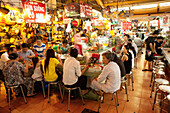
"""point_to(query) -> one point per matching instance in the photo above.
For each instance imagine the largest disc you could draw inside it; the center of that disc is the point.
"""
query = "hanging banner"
(85, 10)
(126, 25)
(35, 12)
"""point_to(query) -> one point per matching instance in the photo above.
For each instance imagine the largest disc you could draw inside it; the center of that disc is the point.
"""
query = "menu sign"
(35, 12)
(126, 25)
(85, 10)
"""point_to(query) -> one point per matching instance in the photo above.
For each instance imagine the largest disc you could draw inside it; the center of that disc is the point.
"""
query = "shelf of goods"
(99, 47)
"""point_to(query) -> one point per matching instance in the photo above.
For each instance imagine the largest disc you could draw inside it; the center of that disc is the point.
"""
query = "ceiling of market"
(130, 7)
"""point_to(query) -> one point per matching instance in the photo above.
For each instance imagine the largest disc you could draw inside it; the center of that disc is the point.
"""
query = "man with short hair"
(25, 53)
(150, 50)
(40, 47)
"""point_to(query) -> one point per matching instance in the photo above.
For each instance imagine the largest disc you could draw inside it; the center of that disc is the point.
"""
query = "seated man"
(40, 47)
(72, 70)
(25, 53)
(111, 73)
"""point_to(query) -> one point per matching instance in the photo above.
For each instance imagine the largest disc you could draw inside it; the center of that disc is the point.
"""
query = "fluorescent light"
(144, 6)
(165, 4)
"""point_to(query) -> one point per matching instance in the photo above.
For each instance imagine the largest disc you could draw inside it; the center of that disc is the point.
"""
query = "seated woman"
(37, 75)
(14, 76)
(110, 73)
(120, 64)
(127, 59)
(64, 48)
(49, 67)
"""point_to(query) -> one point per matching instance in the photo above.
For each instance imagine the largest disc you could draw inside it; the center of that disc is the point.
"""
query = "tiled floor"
(139, 99)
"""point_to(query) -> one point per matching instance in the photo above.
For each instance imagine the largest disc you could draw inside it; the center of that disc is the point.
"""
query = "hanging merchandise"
(69, 28)
(88, 25)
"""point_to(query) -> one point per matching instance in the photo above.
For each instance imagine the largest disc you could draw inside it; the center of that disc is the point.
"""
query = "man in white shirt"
(72, 70)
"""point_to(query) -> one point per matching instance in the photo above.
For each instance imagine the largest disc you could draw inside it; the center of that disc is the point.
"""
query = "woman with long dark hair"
(127, 59)
(49, 66)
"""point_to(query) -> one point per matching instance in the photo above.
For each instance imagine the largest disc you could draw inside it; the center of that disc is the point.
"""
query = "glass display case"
(98, 46)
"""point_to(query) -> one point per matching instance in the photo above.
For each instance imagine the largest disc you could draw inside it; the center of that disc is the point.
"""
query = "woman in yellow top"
(49, 67)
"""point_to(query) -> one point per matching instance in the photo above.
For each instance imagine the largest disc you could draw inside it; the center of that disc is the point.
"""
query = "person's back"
(113, 78)
(138, 41)
(50, 73)
(121, 65)
(128, 63)
(71, 71)
(149, 40)
(13, 73)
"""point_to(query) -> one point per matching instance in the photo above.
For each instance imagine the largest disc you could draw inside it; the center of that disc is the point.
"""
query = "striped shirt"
(40, 49)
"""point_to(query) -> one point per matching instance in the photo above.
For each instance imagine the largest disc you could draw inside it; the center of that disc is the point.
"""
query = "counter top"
(166, 53)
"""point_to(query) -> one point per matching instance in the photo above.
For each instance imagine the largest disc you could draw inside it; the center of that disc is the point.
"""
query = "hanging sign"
(85, 10)
(96, 22)
(154, 23)
(72, 9)
(166, 20)
(75, 23)
(35, 12)
(126, 25)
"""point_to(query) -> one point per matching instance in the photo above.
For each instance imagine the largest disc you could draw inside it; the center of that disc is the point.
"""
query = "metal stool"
(157, 72)
(168, 98)
(9, 88)
(69, 91)
(158, 57)
(116, 100)
(158, 82)
(130, 75)
(42, 87)
(123, 81)
(50, 83)
(163, 89)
